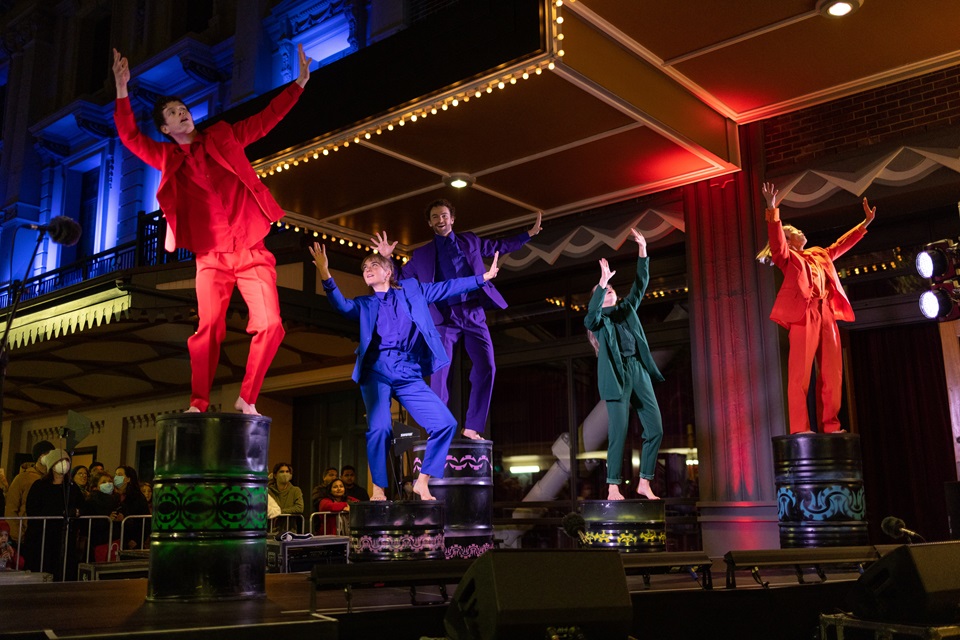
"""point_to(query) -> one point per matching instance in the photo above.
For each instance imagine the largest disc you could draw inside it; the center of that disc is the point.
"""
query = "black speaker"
(509, 593)
(918, 583)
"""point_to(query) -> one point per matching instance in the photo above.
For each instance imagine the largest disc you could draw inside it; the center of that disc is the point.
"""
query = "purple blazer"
(423, 264)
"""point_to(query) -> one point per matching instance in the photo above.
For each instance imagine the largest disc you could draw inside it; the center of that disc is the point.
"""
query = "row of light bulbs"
(332, 239)
(443, 104)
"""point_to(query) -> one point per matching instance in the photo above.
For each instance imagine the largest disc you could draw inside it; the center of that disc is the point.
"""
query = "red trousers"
(254, 272)
(815, 337)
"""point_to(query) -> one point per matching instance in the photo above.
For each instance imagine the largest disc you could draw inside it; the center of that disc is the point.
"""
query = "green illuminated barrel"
(208, 540)
(819, 481)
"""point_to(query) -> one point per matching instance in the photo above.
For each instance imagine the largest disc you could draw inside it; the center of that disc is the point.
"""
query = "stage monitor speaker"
(514, 593)
(917, 583)
(952, 492)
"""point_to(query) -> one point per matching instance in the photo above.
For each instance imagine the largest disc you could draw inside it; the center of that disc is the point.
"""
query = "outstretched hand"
(537, 227)
(304, 66)
(605, 273)
(319, 253)
(641, 242)
(869, 213)
(383, 246)
(770, 195)
(121, 73)
(493, 270)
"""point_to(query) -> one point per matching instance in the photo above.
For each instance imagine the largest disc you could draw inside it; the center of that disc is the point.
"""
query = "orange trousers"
(816, 337)
(254, 272)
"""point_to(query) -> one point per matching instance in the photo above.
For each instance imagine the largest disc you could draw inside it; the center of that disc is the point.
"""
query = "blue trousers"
(468, 321)
(397, 374)
(637, 393)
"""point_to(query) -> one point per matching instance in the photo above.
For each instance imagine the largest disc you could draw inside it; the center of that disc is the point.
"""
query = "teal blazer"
(602, 323)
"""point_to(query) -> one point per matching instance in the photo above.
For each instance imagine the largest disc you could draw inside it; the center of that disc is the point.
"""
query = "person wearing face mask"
(288, 496)
(103, 501)
(625, 371)
(131, 503)
(53, 495)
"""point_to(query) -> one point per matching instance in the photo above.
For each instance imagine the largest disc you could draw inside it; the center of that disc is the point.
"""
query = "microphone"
(576, 527)
(62, 229)
(896, 529)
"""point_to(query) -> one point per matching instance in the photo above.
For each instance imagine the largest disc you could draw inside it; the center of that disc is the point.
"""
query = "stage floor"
(673, 607)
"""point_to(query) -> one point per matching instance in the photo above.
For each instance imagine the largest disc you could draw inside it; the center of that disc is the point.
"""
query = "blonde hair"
(765, 256)
(387, 265)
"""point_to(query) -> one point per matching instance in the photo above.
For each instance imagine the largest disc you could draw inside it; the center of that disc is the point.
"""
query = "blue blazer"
(422, 265)
(415, 298)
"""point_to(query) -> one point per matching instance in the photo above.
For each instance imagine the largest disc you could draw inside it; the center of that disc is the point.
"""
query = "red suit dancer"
(808, 305)
(216, 206)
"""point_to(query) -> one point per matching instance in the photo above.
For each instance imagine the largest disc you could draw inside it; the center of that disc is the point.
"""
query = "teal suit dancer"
(625, 371)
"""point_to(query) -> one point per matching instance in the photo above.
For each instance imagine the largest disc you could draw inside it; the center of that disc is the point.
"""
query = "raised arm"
(348, 308)
(121, 73)
(383, 246)
(251, 129)
(593, 319)
(436, 291)
(642, 279)
(304, 67)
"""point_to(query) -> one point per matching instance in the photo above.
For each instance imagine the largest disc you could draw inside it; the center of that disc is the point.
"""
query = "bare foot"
(242, 406)
(422, 487)
(470, 434)
(378, 495)
(643, 488)
(613, 492)
(192, 409)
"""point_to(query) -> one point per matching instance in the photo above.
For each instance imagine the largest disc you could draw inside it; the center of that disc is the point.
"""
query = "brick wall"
(894, 111)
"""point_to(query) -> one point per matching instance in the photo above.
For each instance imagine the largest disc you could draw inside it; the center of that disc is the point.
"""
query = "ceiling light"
(837, 8)
(459, 180)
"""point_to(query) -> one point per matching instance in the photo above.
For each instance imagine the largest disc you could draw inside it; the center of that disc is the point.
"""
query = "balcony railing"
(145, 251)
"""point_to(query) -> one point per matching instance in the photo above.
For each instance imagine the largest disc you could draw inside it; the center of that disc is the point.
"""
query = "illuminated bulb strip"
(334, 240)
(442, 103)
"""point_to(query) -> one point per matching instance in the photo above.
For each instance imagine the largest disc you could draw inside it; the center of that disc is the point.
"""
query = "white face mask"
(62, 467)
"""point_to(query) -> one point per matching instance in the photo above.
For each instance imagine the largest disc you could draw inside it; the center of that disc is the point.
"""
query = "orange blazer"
(796, 292)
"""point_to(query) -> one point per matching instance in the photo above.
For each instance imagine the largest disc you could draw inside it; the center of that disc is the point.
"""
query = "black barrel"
(208, 540)
(630, 526)
(386, 530)
(466, 489)
(819, 481)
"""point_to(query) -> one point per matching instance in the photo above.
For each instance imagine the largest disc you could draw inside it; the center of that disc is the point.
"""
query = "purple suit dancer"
(451, 256)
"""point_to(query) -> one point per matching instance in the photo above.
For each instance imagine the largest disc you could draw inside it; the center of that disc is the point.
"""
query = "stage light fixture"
(459, 180)
(941, 302)
(838, 8)
(938, 261)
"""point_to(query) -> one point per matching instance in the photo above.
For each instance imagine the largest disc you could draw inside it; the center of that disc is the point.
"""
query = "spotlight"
(838, 8)
(459, 180)
(938, 260)
(940, 302)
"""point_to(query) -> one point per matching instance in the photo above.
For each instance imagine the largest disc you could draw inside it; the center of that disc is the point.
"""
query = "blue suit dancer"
(446, 257)
(399, 345)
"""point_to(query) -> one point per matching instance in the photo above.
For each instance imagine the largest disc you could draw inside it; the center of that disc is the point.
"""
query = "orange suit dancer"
(808, 305)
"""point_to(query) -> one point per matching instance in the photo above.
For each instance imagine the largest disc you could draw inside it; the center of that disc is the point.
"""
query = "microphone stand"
(18, 287)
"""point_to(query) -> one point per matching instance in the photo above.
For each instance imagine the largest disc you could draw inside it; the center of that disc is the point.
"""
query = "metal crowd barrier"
(343, 527)
(84, 530)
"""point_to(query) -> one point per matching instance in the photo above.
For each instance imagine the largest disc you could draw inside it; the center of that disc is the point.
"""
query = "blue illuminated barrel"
(820, 499)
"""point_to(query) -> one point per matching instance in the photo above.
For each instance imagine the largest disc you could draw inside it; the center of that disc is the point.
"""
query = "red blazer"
(228, 141)
(796, 292)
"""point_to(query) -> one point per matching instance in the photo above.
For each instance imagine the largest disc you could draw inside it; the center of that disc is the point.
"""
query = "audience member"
(10, 560)
(349, 476)
(132, 503)
(147, 490)
(337, 502)
(81, 478)
(322, 490)
(287, 495)
(17, 494)
(103, 501)
(53, 495)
